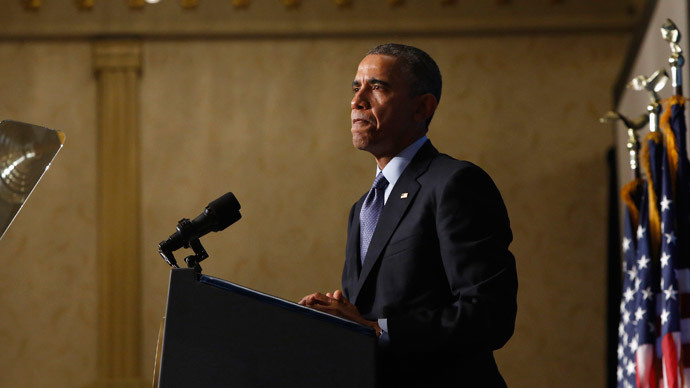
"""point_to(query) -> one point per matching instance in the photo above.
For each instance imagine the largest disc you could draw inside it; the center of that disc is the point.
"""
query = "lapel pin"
(403, 195)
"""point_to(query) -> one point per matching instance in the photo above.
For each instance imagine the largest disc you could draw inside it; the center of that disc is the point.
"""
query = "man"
(427, 261)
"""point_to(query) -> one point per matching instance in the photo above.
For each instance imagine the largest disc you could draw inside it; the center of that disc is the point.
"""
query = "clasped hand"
(337, 304)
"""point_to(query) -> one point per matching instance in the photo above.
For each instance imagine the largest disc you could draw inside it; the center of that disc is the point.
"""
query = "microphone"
(218, 215)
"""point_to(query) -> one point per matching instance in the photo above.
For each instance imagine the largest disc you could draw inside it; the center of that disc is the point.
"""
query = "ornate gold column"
(117, 65)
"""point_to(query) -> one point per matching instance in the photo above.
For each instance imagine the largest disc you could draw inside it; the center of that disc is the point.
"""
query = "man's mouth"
(361, 120)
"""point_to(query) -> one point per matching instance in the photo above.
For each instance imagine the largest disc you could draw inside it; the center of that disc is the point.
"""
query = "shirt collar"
(397, 165)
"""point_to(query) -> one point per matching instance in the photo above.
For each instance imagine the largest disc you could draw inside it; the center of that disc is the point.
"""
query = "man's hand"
(337, 304)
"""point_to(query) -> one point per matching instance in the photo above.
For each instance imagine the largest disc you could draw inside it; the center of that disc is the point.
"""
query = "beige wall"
(47, 282)
(267, 118)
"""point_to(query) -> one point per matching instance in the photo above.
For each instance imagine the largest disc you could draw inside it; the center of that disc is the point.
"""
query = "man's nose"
(359, 101)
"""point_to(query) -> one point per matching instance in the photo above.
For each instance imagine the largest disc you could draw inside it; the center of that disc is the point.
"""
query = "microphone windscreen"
(225, 210)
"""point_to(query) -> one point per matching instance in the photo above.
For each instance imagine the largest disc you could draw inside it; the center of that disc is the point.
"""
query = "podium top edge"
(286, 304)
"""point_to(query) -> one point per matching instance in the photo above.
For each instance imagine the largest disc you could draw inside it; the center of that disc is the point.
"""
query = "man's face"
(382, 107)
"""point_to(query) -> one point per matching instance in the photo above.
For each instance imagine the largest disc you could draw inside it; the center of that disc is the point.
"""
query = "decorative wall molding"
(32, 5)
(84, 5)
(117, 65)
(240, 18)
(241, 4)
(291, 4)
(343, 3)
(138, 4)
(189, 4)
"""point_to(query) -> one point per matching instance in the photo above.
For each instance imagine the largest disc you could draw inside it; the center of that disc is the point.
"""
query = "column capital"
(114, 55)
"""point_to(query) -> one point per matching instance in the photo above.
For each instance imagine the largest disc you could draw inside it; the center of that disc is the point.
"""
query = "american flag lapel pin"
(403, 195)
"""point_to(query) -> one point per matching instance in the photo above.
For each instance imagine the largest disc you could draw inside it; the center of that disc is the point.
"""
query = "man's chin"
(359, 143)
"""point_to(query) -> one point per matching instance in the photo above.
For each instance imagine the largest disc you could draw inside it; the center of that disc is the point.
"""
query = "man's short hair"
(418, 67)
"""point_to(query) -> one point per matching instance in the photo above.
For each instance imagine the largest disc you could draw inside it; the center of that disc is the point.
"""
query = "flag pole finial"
(652, 85)
(633, 144)
(671, 34)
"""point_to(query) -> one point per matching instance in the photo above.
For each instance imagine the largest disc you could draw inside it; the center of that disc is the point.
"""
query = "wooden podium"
(220, 334)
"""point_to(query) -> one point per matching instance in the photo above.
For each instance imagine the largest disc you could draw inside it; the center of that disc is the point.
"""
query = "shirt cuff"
(383, 324)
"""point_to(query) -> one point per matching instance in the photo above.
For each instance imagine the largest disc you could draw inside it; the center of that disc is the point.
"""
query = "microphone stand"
(199, 255)
(192, 260)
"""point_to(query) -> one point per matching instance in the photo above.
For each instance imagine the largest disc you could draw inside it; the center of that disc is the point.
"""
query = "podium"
(220, 334)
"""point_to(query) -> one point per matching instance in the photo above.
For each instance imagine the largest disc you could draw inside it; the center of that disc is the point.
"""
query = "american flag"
(644, 308)
(654, 330)
(676, 221)
(626, 329)
(680, 173)
(668, 299)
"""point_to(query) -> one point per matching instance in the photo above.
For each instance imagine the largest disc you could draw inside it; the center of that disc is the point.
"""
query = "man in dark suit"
(427, 260)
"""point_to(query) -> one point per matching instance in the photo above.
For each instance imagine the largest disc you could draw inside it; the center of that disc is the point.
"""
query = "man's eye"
(355, 90)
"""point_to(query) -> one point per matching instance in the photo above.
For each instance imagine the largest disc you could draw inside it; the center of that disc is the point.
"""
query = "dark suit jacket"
(438, 268)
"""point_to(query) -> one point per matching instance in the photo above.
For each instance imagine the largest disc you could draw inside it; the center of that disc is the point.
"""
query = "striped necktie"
(369, 215)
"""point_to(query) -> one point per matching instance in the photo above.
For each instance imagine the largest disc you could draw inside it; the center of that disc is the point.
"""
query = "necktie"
(369, 215)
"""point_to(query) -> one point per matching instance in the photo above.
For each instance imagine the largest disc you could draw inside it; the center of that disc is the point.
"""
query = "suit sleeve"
(473, 237)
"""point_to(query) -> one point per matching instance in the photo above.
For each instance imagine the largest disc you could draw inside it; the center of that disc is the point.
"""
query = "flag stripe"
(670, 348)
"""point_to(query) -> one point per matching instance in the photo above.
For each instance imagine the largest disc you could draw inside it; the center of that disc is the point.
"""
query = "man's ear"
(425, 107)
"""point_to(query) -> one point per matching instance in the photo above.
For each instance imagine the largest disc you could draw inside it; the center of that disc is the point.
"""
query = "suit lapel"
(391, 215)
(351, 270)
